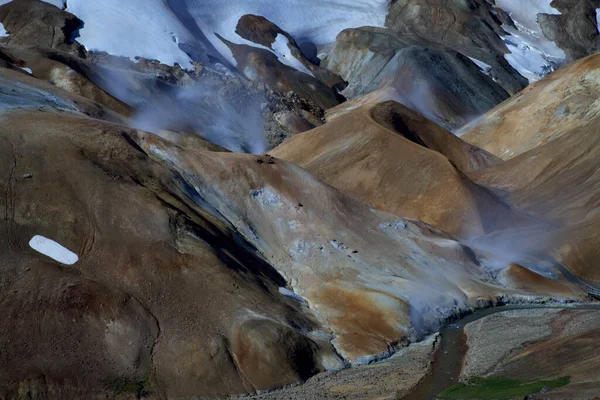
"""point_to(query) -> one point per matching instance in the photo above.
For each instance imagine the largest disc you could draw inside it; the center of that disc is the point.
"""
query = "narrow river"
(448, 360)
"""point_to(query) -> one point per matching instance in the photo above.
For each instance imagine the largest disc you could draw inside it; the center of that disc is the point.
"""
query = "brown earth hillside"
(553, 128)
(197, 272)
(396, 160)
(546, 110)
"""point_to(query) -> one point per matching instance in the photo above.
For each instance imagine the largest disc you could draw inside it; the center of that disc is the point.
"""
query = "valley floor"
(485, 355)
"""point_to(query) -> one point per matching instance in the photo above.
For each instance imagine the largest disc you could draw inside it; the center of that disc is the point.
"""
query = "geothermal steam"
(230, 117)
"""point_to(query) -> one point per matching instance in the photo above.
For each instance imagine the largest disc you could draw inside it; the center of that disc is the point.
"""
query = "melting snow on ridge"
(280, 46)
(315, 21)
(132, 28)
(153, 30)
(531, 50)
(53, 250)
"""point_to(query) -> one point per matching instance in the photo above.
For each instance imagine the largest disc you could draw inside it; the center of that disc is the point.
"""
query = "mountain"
(396, 160)
(550, 145)
(289, 199)
(174, 243)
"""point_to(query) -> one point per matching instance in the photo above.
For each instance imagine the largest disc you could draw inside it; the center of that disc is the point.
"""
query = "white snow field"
(54, 250)
(132, 28)
(280, 46)
(531, 50)
(149, 29)
(153, 29)
(315, 21)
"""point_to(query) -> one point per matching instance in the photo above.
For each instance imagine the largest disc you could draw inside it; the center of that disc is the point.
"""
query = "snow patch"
(484, 67)
(598, 19)
(53, 250)
(530, 63)
(28, 70)
(3, 32)
(132, 28)
(155, 29)
(289, 293)
(532, 54)
(525, 12)
(282, 50)
(312, 21)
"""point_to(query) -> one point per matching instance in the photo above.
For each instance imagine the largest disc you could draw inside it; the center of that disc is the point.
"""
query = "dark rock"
(469, 27)
(260, 30)
(263, 66)
(35, 23)
(575, 30)
(441, 84)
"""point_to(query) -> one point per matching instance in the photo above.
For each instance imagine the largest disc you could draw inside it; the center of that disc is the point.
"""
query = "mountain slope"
(396, 160)
(561, 102)
(549, 136)
(442, 84)
(197, 272)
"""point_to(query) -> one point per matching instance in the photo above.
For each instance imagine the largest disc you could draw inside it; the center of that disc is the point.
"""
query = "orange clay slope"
(395, 160)
(553, 128)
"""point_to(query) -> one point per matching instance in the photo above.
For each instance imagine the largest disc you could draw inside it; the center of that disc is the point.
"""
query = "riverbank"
(423, 369)
(483, 349)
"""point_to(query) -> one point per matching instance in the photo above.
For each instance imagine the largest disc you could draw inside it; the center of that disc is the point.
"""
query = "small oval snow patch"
(289, 293)
(53, 250)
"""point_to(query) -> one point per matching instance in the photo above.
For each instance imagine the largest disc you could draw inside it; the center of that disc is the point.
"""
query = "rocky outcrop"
(36, 23)
(260, 30)
(466, 26)
(263, 66)
(575, 30)
(67, 72)
(359, 55)
(392, 378)
(442, 84)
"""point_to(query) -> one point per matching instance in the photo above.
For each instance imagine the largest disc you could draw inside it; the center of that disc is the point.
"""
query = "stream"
(447, 363)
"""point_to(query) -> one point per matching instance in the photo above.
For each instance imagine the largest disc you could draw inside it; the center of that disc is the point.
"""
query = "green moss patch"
(499, 388)
(137, 386)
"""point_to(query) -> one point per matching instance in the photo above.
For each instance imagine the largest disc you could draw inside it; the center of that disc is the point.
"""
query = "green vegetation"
(499, 388)
(137, 386)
